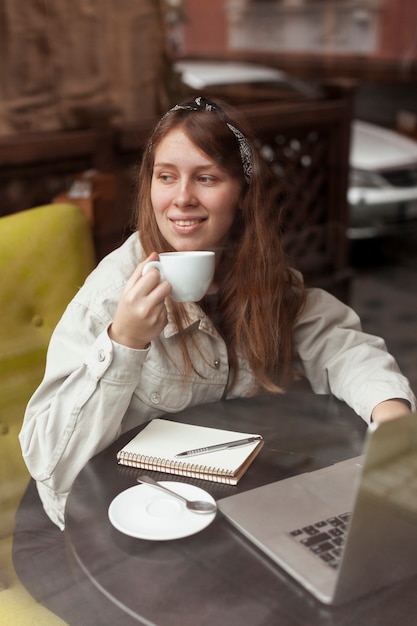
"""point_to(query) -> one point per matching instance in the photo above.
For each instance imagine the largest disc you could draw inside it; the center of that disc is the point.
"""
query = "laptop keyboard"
(325, 538)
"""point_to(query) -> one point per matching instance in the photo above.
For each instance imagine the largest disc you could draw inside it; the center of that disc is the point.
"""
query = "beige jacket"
(94, 389)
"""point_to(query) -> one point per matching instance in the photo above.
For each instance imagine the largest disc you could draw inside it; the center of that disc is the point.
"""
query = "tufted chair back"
(45, 255)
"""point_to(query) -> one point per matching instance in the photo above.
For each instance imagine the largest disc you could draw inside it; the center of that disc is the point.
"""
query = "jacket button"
(37, 320)
(101, 356)
(155, 397)
(217, 364)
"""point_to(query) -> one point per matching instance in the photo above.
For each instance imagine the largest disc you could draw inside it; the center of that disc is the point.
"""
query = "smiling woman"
(132, 353)
(194, 199)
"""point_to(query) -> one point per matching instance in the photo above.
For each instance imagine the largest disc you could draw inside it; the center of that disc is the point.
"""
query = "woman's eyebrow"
(162, 164)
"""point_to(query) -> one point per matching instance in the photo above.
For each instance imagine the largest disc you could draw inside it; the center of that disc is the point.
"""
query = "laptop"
(344, 530)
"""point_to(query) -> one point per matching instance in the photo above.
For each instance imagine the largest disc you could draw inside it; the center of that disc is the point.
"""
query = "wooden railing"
(307, 144)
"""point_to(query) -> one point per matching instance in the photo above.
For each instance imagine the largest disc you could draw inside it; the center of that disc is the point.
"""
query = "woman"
(131, 353)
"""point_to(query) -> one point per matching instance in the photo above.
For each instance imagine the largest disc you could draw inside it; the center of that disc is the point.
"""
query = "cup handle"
(156, 264)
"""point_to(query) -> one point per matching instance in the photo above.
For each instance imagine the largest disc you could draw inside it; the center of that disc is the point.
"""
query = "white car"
(383, 182)
(382, 193)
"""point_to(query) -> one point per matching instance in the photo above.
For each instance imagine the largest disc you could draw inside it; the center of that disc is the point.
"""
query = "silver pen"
(220, 446)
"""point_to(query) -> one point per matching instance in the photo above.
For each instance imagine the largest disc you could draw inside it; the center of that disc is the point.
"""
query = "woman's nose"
(185, 195)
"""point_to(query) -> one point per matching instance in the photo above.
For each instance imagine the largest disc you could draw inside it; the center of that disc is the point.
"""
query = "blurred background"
(329, 89)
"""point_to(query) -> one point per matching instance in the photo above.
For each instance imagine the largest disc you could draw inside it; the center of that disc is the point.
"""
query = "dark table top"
(216, 577)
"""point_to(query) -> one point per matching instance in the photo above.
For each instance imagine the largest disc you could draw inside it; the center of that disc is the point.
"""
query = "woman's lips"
(187, 226)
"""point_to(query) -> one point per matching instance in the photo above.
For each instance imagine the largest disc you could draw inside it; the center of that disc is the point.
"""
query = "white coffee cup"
(189, 273)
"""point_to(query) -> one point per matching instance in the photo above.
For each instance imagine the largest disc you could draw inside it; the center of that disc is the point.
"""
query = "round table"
(216, 577)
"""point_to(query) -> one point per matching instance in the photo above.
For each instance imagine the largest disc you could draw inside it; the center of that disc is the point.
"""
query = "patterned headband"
(201, 104)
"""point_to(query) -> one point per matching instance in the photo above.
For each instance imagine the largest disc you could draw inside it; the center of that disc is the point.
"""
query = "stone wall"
(72, 63)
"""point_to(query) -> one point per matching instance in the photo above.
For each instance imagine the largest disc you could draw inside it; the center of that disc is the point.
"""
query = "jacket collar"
(196, 316)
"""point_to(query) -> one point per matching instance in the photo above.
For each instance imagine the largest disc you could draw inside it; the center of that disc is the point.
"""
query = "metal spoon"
(198, 506)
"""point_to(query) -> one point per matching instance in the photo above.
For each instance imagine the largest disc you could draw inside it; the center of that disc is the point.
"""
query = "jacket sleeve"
(73, 414)
(337, 357)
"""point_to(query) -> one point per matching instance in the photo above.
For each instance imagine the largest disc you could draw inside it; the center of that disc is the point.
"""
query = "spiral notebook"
(156, 446)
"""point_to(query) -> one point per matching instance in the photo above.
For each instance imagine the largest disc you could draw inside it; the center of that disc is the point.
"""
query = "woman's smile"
(186, 222)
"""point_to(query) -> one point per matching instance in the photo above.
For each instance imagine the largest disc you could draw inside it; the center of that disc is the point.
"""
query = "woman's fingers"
(141, 313)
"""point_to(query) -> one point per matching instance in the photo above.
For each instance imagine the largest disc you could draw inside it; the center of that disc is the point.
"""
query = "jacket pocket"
(164, 392)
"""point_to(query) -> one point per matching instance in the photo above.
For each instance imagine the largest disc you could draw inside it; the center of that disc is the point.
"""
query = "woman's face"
(194, 199)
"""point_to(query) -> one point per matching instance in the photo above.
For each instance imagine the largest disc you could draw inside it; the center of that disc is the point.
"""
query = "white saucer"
(147, 513)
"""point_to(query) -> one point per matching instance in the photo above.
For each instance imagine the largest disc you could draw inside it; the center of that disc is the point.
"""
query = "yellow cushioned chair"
(45, 255)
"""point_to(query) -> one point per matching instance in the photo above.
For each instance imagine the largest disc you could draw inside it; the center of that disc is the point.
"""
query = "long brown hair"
(259, 296)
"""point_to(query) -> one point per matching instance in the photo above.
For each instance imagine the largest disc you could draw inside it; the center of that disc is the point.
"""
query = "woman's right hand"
(141, 313)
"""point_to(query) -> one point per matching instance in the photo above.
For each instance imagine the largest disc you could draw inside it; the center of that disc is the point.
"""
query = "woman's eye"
(166, 178)
(207, 179)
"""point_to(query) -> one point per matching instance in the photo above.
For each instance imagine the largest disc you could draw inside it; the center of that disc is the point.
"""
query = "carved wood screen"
(308, 148)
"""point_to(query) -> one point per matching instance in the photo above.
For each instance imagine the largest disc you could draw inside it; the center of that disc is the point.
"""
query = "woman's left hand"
(390, 409)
